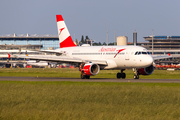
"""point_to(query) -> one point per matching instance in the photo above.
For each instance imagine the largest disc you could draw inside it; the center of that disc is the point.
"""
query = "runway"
(89, 80)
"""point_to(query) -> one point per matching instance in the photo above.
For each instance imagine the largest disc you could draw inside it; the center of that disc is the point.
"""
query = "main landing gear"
(136, 73)
(121, 74)
(85, 76)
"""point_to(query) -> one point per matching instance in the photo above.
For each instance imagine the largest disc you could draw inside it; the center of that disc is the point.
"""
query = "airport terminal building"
(19, 44)
(162, 45)
(22, 44)
(162, 42)
(29, 42)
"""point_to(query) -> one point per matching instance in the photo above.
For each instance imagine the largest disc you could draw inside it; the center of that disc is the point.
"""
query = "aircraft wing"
(63, 59)
(156, 57)
(49, 51)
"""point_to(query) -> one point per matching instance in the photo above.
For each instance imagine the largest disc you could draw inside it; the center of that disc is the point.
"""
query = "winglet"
(169, 54)
(65, 39)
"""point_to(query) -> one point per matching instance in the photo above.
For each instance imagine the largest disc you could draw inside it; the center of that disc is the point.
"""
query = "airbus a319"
(92, 59)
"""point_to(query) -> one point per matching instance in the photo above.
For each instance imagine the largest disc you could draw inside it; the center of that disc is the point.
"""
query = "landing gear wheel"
(119, 75)
(123, 75)
(136, 76)
(136, 73)
(85, 76)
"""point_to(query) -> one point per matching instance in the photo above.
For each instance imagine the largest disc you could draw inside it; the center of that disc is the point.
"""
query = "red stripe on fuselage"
(68, 42)
(59, 18)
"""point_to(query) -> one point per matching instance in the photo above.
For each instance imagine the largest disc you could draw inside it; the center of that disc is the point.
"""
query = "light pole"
(107, 37)
(152, 43)
(114, 37)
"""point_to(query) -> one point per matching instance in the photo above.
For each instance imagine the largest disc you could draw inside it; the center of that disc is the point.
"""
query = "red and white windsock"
(65, 39)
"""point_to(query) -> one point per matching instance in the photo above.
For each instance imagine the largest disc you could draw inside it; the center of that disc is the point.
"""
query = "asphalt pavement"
(89, 80)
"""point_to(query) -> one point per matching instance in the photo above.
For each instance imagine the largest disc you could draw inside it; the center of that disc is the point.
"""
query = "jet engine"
(89, 69)
(146, 71)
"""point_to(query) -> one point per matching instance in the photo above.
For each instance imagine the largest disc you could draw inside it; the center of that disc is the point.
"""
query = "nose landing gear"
(121, 74)
(136, 73)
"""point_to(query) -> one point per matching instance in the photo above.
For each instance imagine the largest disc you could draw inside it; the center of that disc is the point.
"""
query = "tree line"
(88, 41)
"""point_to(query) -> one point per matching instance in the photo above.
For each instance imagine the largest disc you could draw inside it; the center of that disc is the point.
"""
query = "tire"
(87, 77)
(136, 76)
(83, 77)
(123, 75)
(119, 75)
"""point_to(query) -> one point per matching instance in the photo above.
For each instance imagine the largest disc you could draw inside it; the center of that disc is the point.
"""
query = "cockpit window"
(142, 53)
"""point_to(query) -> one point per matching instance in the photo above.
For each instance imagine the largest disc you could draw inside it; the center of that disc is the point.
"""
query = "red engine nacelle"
(89, 69)
(146, 71)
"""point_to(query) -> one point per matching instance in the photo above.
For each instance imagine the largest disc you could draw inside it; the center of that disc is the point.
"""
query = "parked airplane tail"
(9, 55)
(27, 55)
(65, 39)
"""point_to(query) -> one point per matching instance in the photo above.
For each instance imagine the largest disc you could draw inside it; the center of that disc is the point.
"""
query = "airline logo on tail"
(65, 39)
(61, 30)
(9, 55)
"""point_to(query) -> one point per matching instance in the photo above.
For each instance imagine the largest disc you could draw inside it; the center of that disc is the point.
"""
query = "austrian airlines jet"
(92, 59)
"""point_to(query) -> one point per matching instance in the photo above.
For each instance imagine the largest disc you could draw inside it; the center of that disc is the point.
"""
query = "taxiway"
(89, 80)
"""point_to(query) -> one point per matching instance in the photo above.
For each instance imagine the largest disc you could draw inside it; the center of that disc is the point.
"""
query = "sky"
(92, 18)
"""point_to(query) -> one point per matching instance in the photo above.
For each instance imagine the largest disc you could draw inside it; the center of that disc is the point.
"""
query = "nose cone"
(149, 60)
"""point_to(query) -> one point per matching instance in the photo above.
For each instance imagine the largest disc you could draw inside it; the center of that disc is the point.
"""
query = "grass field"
(89, 101)
(74, 73)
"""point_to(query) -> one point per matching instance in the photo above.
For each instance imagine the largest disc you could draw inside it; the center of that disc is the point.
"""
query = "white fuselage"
(40, 63)
(117, 57)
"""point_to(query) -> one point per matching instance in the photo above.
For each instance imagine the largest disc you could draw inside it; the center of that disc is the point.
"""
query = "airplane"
(39, 64)
(22, 61)
(92, 59)
(35, 63)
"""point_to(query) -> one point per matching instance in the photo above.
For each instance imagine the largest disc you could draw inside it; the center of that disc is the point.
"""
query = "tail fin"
(9, 55)
(27, 59)
(65, 39)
